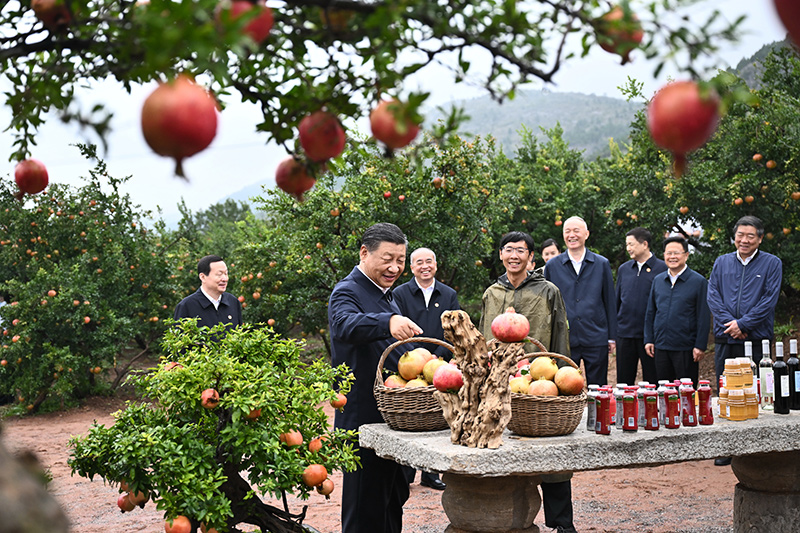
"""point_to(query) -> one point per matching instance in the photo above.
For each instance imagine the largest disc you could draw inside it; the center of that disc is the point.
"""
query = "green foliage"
(343, 55)
(205, 463)
(85, 279)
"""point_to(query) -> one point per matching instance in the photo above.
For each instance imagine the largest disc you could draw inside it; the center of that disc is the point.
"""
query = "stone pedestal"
(506, 504)
(767, 497)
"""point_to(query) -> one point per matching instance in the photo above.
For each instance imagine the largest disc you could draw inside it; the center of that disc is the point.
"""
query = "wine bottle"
(782, 391)
(766, 377)
(793, 367)
(748, 352)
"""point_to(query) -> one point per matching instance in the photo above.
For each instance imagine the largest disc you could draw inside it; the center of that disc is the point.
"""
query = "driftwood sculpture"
(481, 410)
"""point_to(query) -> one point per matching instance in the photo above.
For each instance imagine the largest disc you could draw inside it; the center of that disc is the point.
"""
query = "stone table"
(493, 491)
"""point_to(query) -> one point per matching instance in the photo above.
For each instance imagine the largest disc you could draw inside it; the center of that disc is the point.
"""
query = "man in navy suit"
(364, 320)
(423, 300)
(210, 303)
(587, 287)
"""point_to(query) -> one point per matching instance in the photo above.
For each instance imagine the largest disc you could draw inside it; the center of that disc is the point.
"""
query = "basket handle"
(387, 351)
(557, 356)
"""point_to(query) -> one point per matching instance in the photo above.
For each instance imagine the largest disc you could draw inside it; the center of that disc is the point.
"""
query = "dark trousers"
(723, 350)
(629, 352)
(373, 496)
(595, 360)
(557, 503)
(676, 364)
(411, 473)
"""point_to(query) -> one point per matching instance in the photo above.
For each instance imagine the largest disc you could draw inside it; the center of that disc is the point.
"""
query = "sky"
(240, 156)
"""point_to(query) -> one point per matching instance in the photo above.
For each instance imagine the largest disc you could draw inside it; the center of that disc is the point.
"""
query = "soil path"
(696, 497)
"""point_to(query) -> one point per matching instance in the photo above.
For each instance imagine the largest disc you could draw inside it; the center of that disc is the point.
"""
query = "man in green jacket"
(541, 303)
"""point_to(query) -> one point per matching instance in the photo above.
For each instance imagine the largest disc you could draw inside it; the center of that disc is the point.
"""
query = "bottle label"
(768, 381)
(785, 386)
(797, 381)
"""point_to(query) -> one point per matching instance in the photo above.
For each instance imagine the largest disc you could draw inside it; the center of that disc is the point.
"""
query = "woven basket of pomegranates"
(546, 416)
(409, 408)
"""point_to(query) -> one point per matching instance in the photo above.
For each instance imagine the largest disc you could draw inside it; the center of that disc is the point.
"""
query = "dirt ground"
(696, 497)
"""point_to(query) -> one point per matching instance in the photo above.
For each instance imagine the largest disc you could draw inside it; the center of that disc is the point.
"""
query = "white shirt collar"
(672, 278)
(212, 300)
(426, 292)
(576, 264)
(373, 281)
(746, 261)
(640, 265)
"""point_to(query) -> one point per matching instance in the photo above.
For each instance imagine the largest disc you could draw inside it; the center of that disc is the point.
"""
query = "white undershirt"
(672, 278)
(212, 300)
(426, 292)
(577, 264)
(749, 258)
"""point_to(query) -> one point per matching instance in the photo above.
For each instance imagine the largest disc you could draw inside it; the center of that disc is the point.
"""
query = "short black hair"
(677, 238)
(204, 265)
(641, 235)
(547, 244)
(750, 220)
(380, 233)
(516, 236)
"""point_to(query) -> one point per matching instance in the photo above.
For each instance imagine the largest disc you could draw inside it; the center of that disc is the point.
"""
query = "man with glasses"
(742, 295)
(587, 285)
(677, 320)
(540, 301)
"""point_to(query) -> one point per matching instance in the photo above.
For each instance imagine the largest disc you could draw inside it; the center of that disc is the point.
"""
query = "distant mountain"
(588, 121)
(750, 68)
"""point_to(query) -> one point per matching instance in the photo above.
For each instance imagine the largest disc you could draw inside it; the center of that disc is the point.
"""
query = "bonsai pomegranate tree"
(209, 463)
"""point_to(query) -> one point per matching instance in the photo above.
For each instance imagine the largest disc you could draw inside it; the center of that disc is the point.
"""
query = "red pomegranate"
(619, 32)
(292, 178)
(31, 177)
(54, 14)
(392, 125)
(259, 26)
(314, 475)
(321, 136)
(125, 504)
(179, 119)
(789, 13)
(681, 117)
(510, 326)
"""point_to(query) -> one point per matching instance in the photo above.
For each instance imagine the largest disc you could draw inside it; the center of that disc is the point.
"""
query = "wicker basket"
(413, 409)
(546, 416)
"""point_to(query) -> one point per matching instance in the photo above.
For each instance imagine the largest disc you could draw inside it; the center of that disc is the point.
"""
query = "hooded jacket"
(536, 298)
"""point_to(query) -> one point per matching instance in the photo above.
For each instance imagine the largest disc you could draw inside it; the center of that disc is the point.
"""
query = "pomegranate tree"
(619, 32)
(321, 136)
(259, 25)
(789, 13)
(31, 177)
(510, 326)
(681, 117)
(393, 125)
(292, 178)
(179, 119)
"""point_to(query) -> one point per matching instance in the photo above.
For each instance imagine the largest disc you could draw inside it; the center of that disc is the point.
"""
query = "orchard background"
(90, 278)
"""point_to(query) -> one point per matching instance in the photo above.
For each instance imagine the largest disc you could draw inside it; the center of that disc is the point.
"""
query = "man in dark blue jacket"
(210, 303)
(634, 279)
(677, 321)
(364, 320)
(423, 300)
(587, 286)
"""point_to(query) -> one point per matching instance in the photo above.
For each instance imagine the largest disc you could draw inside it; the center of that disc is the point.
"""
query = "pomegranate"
(569, 381)
(139, 498)
(291, 438)
(416, 382)
(254, 414)
(410, 364)
(392, 124)
(430, 369)
(321, 136)
(542, 387)
(314, 475)
(340, 401)
(510, 326)
(179, 524)
(259, 25)
(209, 398)
(448, 378)
(519, 384)
(619, 32)
(543, 367)
(681, 118)
(789, 13)
(30, 176)
(394, 382)
(326, 487)
(179, 119)
(54, 14)
(315, 444)
(125, 504)
(292, 178)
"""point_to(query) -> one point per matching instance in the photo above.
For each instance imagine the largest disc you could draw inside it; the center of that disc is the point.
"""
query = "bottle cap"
(765, 347)
(748, 349)
(793, 346)
(779, 349)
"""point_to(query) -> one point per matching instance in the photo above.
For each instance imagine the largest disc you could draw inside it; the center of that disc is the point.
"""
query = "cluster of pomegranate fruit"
(314, 475)
(420, 368)
(543, 377)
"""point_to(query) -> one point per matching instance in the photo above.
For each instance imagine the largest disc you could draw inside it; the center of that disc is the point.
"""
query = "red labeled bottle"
(688, 408)
(630, 412)
(705, 414)
(672, 418)
(650, 409)
(603, 403)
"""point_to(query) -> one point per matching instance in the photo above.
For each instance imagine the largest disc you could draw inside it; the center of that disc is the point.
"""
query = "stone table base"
(767, 497)
(491, 504)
